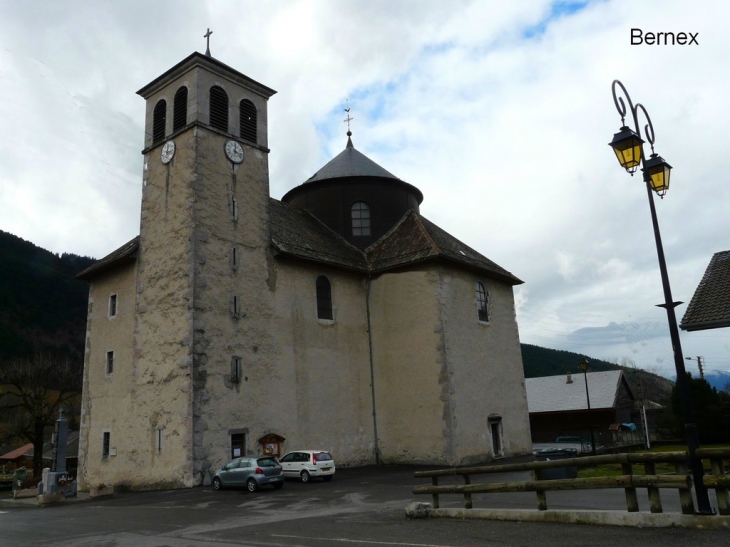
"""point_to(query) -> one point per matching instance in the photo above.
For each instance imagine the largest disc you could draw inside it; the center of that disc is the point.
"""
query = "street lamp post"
(629, 149)
(584, 368)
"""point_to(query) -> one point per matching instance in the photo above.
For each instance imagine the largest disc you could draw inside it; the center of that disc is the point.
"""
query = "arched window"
(324, 298)
(248, 120)
(360, 219)
(219, 108)
(180, 109)
(482, 303)
(159, 117)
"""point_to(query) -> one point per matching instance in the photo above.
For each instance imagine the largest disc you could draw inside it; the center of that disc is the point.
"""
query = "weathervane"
(348, 119)
(207, 41)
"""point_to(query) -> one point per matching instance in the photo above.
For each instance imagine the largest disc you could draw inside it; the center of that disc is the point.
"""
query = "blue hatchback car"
(249, 472)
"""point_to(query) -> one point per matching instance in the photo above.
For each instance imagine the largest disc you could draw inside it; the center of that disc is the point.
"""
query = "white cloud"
(505, 135)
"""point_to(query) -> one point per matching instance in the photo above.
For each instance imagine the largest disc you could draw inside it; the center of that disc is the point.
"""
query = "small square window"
(109, 362)
(112, 305)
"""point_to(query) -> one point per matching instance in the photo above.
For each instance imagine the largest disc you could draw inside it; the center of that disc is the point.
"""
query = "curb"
(605, 518)
(36, 502)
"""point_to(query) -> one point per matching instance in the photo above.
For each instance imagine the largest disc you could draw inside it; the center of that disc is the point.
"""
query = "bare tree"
(34, 390)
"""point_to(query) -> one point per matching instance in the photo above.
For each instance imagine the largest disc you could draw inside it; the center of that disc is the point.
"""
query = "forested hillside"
(538, 362)
(41, 306)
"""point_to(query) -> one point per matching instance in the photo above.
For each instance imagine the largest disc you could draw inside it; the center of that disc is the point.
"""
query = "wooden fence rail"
(629, 481)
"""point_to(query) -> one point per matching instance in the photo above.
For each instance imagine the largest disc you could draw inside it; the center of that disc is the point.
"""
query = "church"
(337, 318)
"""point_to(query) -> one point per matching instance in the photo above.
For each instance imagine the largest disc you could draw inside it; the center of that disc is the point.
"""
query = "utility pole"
(700, 365)
(644, 421)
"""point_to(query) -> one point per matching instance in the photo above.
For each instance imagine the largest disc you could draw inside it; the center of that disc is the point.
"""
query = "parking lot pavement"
(363, 506)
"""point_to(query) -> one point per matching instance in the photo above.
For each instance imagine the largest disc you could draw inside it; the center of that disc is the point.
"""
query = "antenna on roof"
(207, 42)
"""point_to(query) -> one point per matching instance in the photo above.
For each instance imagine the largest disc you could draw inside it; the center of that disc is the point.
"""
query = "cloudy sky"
(500, 112)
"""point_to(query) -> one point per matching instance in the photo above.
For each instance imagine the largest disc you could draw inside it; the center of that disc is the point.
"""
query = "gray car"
(249, 472)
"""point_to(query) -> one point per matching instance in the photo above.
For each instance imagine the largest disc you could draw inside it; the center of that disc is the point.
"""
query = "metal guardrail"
(629, 481)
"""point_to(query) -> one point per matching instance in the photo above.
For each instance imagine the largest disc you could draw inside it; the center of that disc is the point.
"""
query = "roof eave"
(706, 325)
(279, 252)
(511, 280)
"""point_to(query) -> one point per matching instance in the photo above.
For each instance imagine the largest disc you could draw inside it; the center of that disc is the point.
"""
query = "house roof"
(351, 166)
(413, 240)
(297, 233)
(710, 304)
(72, 447)
(416, 239)
(17, 453)
(555, 394)
(350, 163)
(125, 253)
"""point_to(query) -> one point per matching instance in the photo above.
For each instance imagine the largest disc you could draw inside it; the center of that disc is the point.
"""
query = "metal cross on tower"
(348, 119)
(207, 41)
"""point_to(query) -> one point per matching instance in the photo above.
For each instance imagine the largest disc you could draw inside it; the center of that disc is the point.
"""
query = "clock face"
(168, 151)
(234, 151)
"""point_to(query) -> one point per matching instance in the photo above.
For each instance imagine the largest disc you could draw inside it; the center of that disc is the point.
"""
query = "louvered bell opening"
(248, 120)
(159, 117)
(180, 109)
(219, 108)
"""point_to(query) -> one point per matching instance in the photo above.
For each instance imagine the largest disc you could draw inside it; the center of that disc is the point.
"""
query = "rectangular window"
(324, 298)
(495, 433)
(238, 445)
(236, 369)
(106, 442)
(112, 305)
(109, 362)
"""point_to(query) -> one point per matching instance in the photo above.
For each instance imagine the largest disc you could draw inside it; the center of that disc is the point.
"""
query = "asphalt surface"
(360, 507)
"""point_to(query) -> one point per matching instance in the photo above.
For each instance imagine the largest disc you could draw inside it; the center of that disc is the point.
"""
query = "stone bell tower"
(203, 229)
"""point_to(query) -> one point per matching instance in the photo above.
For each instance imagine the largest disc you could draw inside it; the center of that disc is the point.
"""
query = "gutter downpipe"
(378, 460)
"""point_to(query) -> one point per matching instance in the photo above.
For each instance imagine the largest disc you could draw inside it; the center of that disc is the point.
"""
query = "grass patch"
(612, 470)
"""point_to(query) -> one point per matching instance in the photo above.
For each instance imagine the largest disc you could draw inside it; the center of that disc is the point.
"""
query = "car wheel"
(217, 484)
(252, 485)
(305, 476)
(327, 478)
(278, 485)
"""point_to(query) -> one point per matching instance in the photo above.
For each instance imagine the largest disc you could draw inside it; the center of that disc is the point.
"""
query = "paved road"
(360, 507)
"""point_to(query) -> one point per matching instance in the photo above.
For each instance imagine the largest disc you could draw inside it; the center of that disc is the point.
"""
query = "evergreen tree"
(711, 411)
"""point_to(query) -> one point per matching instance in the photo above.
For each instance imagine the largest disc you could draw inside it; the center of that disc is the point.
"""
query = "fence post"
(723, 502)
(632, 502)
(541, 500)
(655, 500)
(467, 495)
(685, 495)
(435, 497)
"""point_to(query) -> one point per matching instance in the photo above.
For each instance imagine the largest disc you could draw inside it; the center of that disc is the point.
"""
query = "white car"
(305, 464)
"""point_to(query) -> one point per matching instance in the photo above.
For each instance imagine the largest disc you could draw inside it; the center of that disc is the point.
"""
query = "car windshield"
(322, 456)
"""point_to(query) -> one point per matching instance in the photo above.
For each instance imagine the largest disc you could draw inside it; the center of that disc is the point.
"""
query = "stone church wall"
(325, 398)
(484, 364)
(233, 303)
(411, 397)
(106, 397)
